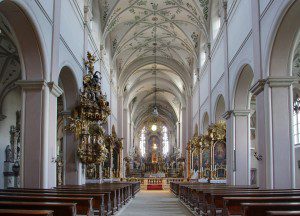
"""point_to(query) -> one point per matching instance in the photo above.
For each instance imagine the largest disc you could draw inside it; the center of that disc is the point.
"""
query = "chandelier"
(155, 111)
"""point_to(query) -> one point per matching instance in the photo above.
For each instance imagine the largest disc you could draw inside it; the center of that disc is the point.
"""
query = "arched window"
(165, 140)
(202, 58)
(296, 120)
(143, 142)
(215, 18)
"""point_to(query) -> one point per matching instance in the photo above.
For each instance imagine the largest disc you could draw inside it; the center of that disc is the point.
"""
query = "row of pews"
(70, 200)
(221, 199)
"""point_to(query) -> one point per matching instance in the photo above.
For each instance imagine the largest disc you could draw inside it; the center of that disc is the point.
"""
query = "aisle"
(154, 203)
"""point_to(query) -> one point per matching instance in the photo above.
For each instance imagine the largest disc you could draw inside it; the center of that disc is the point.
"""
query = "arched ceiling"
(148, 37)
(10, 68)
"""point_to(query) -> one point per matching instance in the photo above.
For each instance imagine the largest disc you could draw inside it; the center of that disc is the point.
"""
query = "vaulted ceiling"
(148, 37)
(10, 69)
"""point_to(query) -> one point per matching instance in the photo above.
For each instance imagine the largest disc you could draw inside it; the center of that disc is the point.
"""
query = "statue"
(9, 154)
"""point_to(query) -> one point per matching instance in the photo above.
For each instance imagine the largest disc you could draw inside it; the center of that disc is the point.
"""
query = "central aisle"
(154, 203)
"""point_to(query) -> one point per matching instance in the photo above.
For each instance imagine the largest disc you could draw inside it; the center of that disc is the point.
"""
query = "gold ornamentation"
(86, 119)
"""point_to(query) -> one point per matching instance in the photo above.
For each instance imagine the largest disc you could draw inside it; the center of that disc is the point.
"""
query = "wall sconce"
(258, 156)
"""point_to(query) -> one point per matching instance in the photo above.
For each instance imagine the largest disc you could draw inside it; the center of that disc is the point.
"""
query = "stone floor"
(154, 203)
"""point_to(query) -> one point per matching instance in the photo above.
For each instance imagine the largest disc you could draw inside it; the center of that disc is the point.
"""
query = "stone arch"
(219, 108)
(241, 129)
(282, 45)
(241, 97)
(29, 42)
(68, 83)
(281, 48)
(30, 46)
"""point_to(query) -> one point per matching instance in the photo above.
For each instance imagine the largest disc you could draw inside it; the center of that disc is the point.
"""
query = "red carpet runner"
(154, 187)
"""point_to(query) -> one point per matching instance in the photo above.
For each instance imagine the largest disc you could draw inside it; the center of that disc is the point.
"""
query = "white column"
(125, 133)
(178, 134)
(34, 140)
(261, 129)
(242, 146)
(230, 159)
(183, 130)
(52, 132)
(280, 152)
(238, 147)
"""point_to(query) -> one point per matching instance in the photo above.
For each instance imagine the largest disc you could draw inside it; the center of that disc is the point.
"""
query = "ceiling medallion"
(155, 19)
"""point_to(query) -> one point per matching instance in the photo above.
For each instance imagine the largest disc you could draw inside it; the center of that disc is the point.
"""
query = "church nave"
(106, 104)
(154, 203)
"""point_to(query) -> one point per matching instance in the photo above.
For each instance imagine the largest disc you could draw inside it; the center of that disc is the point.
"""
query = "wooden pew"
(59, 209)
(113, 198)
(83, 204)
(101, 201)
(17, 212)
(232, 205)
(256, 209)
(283, 213)
(214, 199)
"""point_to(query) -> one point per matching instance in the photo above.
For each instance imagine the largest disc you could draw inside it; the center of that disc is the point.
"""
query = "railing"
(156, 181)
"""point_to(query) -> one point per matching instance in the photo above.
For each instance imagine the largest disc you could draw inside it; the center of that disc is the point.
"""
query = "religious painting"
(220, 153)
(153, 140)
(206, 161)
(220, 159)
(195, 160)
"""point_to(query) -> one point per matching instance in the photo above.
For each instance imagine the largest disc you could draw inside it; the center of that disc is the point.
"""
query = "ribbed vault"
(154, 37)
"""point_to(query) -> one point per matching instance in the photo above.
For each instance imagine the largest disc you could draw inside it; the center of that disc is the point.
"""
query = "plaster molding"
(55, 89)
(32, 84)
(280, 81)
(241, 112)
(258, 87)
(228, 114)
(66, 113)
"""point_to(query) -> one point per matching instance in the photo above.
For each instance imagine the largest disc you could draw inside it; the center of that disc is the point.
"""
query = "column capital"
(280, 81)
(241, 112)
(55, 89)
(228, 114)
(32, 84)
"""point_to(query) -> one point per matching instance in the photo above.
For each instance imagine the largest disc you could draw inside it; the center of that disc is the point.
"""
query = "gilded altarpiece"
(209, 151)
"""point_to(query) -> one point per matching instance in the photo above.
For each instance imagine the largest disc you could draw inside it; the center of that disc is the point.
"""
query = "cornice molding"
(258, 87)
(228, 114)
(241, 112)
(280, 81)
(55, 89)
(32, 84)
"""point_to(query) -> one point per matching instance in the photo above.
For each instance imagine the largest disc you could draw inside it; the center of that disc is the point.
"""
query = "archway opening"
(220, 109)
(242, 131)
(65, 148)
(10, 107)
